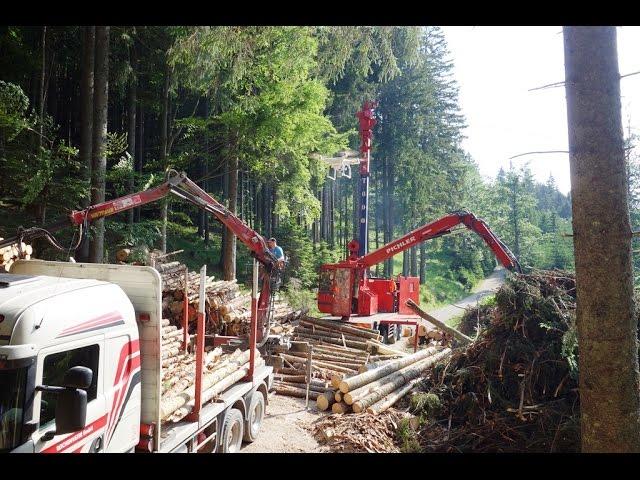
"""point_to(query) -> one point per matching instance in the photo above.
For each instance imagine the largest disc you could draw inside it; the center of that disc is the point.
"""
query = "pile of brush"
(515, 388)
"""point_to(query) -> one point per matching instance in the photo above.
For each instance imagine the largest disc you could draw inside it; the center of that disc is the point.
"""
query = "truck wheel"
(254, 418)
(391, 334)
(232, 431)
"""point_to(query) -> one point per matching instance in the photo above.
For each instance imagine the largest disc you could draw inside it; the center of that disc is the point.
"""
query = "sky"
(495, 68)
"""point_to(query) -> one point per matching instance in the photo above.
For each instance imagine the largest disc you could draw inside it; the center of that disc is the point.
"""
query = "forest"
(92, 113)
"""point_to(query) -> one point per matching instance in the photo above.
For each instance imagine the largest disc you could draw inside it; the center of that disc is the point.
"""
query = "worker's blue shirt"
(277, 252)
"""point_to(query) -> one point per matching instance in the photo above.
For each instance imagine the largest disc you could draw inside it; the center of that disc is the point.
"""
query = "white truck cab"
(74, 334)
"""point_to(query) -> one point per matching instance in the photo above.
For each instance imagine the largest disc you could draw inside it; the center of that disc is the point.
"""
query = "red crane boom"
(437, 228)
(180, 185)
(345, 289)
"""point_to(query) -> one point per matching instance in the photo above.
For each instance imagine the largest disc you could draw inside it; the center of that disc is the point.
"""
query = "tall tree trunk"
(131, 119)
(331, 219)
(43, 73)
(607, 325)
(164, 139)
(413, 254)
(86, 121)
(259, 226)
(140, 158)
(229, 266)
(225, 199)
(274, 217)
(99, 156)
(514, 214)
(423, 262)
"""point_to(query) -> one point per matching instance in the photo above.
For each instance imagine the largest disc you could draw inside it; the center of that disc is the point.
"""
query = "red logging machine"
(345, 288)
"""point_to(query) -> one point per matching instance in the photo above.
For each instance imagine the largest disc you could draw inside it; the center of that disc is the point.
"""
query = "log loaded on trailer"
(83, 349)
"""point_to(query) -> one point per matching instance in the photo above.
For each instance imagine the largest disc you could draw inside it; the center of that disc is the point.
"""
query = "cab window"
(56, 365)
(325, 280)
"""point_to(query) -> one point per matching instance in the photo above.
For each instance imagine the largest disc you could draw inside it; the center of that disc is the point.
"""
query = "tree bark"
(607, 326)
(132, 99)
(140, 156)
(86, 121)
(42, 80)
(229, 257)
(98, 154)
(423, 263)
(164, 139)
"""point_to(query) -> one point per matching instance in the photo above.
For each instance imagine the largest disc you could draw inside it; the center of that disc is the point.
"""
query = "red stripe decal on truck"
(74, 438)
(103, 321)
(128, 362)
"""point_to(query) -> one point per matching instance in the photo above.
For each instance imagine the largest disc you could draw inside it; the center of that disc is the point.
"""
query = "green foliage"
(145, 233)
(13, 111)
(408, 437)
(425, 404)
(299, 297)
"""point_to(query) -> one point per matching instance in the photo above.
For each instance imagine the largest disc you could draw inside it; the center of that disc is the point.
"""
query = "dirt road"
(283, 428)
(485, 288)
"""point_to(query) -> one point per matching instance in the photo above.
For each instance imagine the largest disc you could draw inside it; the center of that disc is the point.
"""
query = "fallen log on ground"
(327, 399)
(441, 325)
(362, 400)
(361, 379)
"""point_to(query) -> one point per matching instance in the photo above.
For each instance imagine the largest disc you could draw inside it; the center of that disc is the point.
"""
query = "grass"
(408, 437)
(439, 290)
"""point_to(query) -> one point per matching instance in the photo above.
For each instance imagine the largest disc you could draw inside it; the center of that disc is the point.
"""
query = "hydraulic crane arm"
(178, 184)
(438, 228)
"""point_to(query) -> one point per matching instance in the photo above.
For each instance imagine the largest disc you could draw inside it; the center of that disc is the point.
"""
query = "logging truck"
(82, 349)
(81, 363)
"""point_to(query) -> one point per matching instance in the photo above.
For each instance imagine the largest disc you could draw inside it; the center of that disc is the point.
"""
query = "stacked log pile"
(11, 253)
(178, 376)
(228, 311)
(377, 389)
(339, 350)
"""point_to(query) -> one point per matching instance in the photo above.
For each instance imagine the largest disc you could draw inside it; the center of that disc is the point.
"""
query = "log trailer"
(88, 338)
(345, 288)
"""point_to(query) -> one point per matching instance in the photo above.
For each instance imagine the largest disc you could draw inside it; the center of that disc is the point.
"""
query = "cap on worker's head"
(272, 240)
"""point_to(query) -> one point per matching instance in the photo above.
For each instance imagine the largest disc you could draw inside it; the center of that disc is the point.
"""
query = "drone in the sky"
(341, 163)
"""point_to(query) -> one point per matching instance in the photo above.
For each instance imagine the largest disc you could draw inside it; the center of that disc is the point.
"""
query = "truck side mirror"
(71, 401)
(71, 405)
(78, 377)
(71, 410)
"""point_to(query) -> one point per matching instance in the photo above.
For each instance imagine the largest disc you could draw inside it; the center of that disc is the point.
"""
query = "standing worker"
(277, 251)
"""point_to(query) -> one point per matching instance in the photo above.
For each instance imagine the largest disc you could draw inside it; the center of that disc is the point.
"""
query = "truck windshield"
(12, 397)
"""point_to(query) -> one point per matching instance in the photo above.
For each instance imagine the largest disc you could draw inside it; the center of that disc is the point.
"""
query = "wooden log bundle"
(219, 374)
(362, 398)
(11, 253)
(228, 310)
(376, 389)
(324, 401)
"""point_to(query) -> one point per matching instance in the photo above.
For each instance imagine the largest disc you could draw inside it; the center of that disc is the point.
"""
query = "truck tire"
(391, 334)
(232, 431)
(255, 415)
